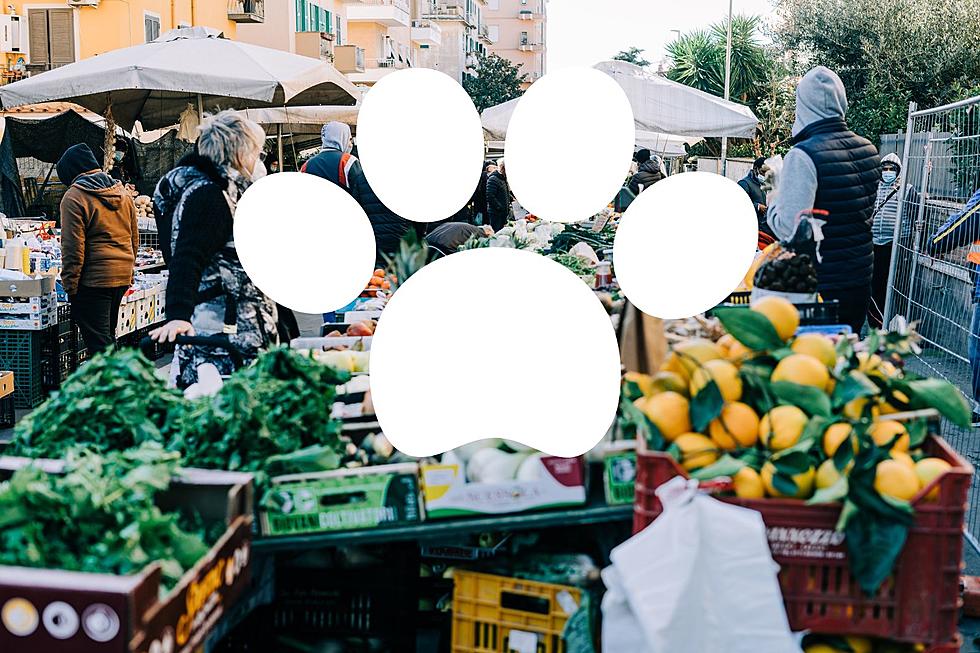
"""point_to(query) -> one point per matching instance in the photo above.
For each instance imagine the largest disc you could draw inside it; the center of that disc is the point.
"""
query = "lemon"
(643, 381)
(820, 648)
(737, 426)
(724, 374)
(868, 363)
(690, 354)
(802, 369)
(855, 408)
(748, 484)
(726, 342)
(827, 474)
(896, 479)
(696, 450)
(816, 345)
(738, 352)
(835, 435)
(782, 427)
(887, 408)
(929, 468)
(885, 431)
(669, 382)
(669, 411)
(781, 312)
(859, 644)
(902, 457)
(804, 482)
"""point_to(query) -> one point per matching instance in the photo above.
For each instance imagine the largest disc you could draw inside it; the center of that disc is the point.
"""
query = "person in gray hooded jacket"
(832, 169)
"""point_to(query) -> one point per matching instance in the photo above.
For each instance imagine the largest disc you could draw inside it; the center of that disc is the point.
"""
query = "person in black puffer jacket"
(335, 163)
(499, 207)
(833, 169)
(650, 171)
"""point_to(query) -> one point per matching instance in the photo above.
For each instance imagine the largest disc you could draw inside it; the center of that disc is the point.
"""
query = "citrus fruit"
(835, 435)
(803, 480)
(725, 375)
(669, 382)
(801, 369)
(748, 484)
(726, 342)
(820, 648)
(782, 427)
(738, 352)
(887, 408)
(781, 312)
(859, 644)
(868, 363)
(643, 381)
(855, 409)
(928, 469)
(696, 450)
(895, 479)
(737, 426)
(690, 354)
(884, 431)
(816, 345)
(902, 457)
(827, 474)
(669, 411)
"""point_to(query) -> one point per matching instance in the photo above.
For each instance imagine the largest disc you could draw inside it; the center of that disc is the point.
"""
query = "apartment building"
(308, 27)
(38, 36)
(519, 31)
(464, 34)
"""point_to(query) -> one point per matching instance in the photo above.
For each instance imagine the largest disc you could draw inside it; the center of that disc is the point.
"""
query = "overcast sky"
(584, 32)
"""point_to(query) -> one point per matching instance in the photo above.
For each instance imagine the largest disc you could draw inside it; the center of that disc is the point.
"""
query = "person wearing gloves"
(650, 170)
(500, 209)
(448, 237)
(833, 169)
(883, 230)
(99, 241)
(208, 292)
(751, 183)
(962, 229)
(336, 163)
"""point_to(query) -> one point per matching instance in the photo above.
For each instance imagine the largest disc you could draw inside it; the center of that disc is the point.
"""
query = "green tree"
(498, 80)
(886, 53)
(633, 55)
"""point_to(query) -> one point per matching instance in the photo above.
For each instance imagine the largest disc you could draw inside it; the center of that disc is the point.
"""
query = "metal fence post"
(893, 263)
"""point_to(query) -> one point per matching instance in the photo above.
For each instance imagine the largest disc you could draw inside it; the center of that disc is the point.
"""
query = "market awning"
(301, 120)
(154, 82)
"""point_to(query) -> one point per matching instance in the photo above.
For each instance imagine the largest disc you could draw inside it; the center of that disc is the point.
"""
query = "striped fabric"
(886, 211)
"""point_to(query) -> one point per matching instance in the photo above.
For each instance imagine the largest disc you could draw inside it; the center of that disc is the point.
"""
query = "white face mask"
(889, 176)
(258, 170)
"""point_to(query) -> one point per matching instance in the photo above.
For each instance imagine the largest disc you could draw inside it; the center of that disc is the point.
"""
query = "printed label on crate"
(815, 543)
(342, 502)
(620, 478)
(521, 641)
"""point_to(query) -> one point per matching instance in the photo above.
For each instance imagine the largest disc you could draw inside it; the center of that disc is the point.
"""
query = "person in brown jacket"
(99, 240)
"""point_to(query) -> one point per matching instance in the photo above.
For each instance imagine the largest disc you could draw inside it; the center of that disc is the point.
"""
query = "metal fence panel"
(935, 289)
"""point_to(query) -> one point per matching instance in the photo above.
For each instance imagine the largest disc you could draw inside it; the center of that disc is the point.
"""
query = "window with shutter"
(151, 27)
(37, 29)
(51, 35)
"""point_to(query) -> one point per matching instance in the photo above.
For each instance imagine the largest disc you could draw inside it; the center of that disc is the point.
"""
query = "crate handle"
(342, 499)
(525, 602)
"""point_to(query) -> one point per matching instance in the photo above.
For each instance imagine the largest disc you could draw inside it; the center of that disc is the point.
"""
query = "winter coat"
(753, 188)
(499, 207)
(961, 229)
(649, 173)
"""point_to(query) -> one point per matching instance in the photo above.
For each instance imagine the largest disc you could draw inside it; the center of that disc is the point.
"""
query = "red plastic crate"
(918, 604)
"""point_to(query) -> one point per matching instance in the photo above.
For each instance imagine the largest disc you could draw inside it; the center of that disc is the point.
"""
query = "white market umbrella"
(154, 82)
(662, 105)
(300, 121)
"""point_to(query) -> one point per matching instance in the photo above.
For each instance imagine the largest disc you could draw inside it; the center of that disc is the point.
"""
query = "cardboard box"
(29, 323)
(127, 319)
(26, 287)
(30, 305)
(619, 472)
(6, 384)
(448, 494)
(344, 499)
(75, 612)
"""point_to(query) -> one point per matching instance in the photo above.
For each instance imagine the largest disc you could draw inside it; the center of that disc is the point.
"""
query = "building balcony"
(348, 59)
(531, 47)
(246, 11)
(449, 10)
(527, 14)
(391, 13)
(426, 32)
(484, 35)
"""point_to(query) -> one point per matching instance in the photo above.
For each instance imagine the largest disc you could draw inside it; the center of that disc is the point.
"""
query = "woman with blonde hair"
(208, 292)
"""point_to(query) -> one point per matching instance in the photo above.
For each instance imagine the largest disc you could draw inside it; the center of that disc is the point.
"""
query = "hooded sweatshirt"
(99, 233)
(886, 205)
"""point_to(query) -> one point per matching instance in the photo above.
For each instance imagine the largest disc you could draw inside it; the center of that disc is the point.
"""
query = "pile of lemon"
(689, 367)
(861, 645)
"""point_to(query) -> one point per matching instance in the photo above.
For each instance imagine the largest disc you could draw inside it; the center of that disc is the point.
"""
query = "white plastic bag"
(701, 578)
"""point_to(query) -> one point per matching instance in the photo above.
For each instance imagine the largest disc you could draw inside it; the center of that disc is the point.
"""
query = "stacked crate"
(28, 311)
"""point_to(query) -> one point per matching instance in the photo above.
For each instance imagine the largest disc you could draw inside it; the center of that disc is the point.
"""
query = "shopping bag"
(701, 578)
(620, 629)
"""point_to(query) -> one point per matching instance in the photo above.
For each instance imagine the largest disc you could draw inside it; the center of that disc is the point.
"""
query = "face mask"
(889, 176)
(259, 170)
(760, 177)
(118, 156)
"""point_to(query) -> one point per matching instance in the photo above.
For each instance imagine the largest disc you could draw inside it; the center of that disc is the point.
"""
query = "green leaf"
(848, 512)
(813, 401)
(752, 329)
(873, 546)
(944, 397)
(918, 432)
(792, 463)
(853, 386)
(844, 455)
(706, 406)
(835, 492)
(784, 484)
(645, 429)
(727, 465)
(631, 390)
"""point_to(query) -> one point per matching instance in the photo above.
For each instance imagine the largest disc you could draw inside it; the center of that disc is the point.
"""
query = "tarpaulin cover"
(158, 158)
(11, 198)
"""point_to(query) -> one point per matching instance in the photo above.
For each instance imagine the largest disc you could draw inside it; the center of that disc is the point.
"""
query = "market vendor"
(500, 208)
(208, 292)
(751, 183)
(99, 241)
(650, 170)
(450, 236)
(833, 169)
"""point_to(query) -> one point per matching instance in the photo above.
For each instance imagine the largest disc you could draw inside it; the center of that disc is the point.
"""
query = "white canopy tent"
(154, 82)
(299, 121)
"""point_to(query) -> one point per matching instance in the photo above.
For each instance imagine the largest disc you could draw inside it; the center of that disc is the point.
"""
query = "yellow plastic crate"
(488, 611)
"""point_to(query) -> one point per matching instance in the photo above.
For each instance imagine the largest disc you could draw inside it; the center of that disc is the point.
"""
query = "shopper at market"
(883, 230)
(479, 200)
(833, 169)
(99, 240)
(450, 236)
(208, 292)
(961, 229)
(336, 163)
(500, 208)
(751, 183)
(650, 170)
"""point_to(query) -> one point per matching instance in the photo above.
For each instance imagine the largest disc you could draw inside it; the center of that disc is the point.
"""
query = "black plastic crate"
(64, 313)
(811, 314)
(20, 352)
(55, 369)
(7, 415)
(57, 341)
